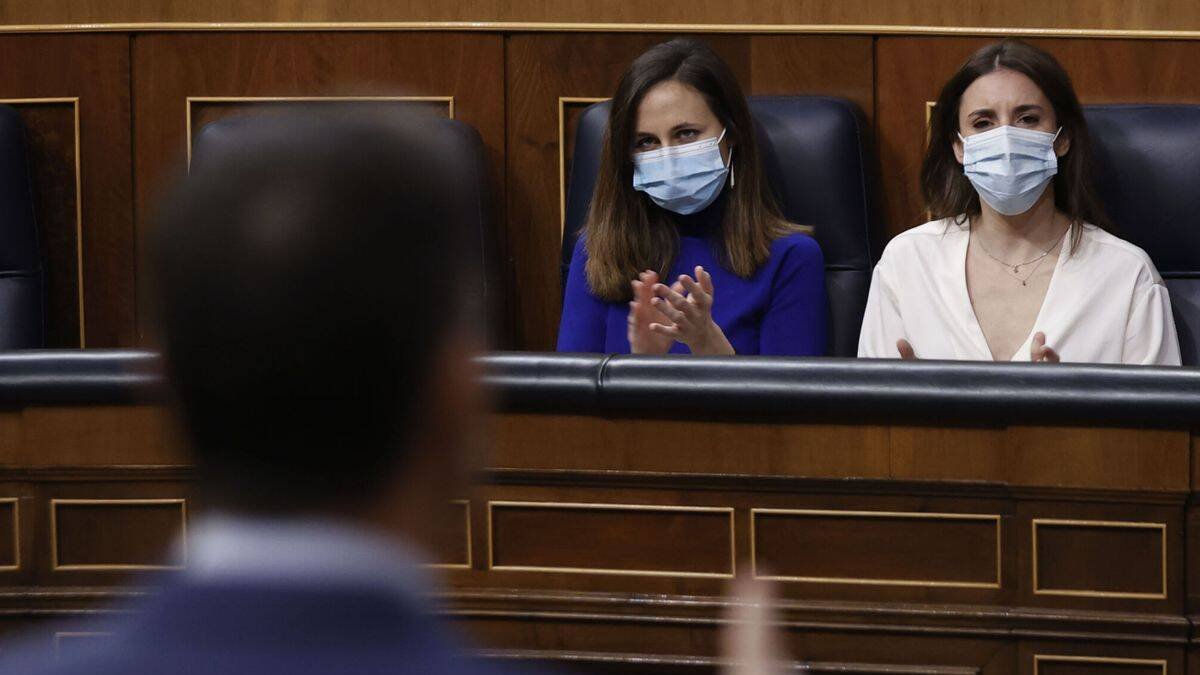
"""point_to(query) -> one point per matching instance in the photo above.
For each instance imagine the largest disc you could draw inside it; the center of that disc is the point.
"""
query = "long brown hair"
(948, 193)
(626, 232)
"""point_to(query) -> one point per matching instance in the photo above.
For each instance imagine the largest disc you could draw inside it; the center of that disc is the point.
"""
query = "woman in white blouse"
(1017, 265)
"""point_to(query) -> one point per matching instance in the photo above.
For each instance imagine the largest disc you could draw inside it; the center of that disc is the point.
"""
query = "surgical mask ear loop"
(732, 177)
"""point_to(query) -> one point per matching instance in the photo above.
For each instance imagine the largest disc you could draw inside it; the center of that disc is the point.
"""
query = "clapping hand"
(685, 314)
(642, 340)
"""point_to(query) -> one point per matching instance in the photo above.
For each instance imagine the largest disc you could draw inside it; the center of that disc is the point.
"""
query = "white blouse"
(1105, 304)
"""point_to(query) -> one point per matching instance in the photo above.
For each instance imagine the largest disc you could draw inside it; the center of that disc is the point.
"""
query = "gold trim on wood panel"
(74, 101)
(111, 567)
(1161, 527)
(562, 156)
(1123, 661)
(612, 507)
(607, 27)
(470, 557)
(448, 100)
(16, 502)
(984, 517)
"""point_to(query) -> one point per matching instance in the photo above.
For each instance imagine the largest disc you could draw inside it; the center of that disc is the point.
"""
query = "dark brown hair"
(626, 232)
(948, 193)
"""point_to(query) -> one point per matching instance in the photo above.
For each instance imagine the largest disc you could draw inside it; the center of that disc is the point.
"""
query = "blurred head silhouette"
(310, 298)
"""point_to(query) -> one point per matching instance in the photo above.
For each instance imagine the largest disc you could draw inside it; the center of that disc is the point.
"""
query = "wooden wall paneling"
(912, 70)
(72, 92)
(1110, 14)
(170, 68)
(1101, 556)
(1037, 657)
(552, 78)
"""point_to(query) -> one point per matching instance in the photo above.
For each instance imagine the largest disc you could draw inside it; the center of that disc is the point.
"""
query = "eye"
(684, 134)
(981, 124)
(1029, 120)
(645, 143)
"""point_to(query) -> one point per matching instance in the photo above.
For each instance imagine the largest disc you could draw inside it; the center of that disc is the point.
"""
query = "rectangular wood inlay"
(1092, 558)
(1047, 664)
(10, 534)
(677, 541)
(877, 547)
(114, 534)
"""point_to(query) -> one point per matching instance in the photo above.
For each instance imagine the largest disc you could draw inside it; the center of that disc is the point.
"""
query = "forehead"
(670, 102)
(1002, 90)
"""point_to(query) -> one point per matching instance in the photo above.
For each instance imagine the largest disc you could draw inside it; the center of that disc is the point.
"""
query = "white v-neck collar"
(972, 320)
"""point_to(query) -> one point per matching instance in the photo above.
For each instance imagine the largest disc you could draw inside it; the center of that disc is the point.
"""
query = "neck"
(1036, 230)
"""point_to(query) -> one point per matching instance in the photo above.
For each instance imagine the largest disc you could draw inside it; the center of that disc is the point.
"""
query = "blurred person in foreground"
(317, 347)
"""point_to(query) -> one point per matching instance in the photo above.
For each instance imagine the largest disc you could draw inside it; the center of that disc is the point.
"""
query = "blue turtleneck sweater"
(778, 310)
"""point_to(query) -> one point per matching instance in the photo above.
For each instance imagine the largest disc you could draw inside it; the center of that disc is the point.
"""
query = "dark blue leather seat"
(463, 148)
(1148, 175)
(22, 295)
(816, 160)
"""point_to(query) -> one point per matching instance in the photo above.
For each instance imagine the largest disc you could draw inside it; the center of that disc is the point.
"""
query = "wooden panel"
(543, 104)
(1076, 557)
(1094, 665)
(1160, 14)
(168, 69)
(689, 446)
(877, 548)
(82, 178)
(114, 534)
(1046, 456)
(611, 539)
(10, 534)
(911, 71)
(97, 436)
(451, 546)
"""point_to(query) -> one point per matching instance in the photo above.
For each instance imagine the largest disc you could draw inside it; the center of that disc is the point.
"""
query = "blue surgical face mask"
(1010, 167)
(682, 178)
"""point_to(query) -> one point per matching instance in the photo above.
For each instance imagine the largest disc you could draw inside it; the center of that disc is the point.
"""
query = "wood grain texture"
(169, 68)
(911, 71)
(1156, 14)
(544, 68)
(94, 68)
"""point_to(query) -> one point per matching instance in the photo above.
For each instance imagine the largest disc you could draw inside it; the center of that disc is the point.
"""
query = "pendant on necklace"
(1022, 283)
(1016, 269)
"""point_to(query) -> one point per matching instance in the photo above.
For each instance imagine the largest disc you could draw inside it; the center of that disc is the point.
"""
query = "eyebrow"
(1019, 109)
(677, 127)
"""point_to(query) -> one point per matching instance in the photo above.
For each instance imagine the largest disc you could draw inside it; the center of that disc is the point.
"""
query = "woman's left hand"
(689, 317)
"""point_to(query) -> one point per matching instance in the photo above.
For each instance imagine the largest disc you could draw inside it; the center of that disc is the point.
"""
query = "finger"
(664, 308)
(678, 288)
(677, 301)
(1050, 356)
(705, 279)
(906, 350)
(692, 286)
(662, 329)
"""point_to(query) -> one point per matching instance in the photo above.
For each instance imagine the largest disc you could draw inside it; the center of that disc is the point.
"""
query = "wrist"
(712, 343)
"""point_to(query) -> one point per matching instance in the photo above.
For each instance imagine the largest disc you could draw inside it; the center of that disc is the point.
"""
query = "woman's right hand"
(906, 350)
(641, 314)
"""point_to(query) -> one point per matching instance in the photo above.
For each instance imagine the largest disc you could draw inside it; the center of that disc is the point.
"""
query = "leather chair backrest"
(461, 146)
(22, 294)
(1148, 176)
(815, 156)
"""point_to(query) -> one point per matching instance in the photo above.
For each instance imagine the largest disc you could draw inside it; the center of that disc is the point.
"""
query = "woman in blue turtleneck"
(684, 249)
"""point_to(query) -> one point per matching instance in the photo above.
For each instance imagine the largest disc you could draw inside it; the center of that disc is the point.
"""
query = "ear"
(958, 148)
(1062, 144)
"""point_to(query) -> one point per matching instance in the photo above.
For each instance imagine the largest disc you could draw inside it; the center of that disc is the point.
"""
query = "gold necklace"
(1016, 269)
